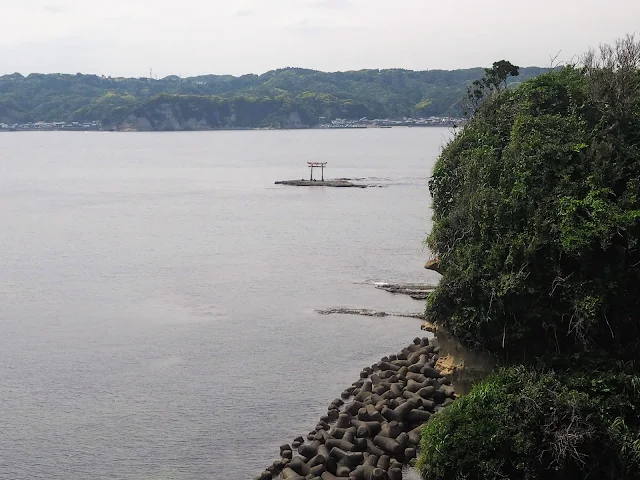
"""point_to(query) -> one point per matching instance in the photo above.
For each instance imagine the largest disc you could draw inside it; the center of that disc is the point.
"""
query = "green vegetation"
(523, 424)
(493, 81)
(537, 221)
(270, 98)
(536, 228)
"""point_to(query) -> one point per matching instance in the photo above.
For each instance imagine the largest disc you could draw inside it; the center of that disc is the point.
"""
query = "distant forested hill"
(284, 97)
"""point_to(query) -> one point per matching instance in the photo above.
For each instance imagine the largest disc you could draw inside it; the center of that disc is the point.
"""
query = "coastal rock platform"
(417, 291)
(378, 432)
(367, 312)
(319, 183)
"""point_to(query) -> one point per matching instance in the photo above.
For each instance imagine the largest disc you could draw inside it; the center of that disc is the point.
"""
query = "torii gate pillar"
(317, 164)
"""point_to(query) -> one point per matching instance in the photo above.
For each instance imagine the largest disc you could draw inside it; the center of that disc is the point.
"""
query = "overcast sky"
(191, 37)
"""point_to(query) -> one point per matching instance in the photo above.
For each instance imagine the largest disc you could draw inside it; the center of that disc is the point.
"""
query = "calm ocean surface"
(158, 293)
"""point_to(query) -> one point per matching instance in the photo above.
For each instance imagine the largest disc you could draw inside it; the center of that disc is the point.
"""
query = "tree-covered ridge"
(527, 424)
(311, 94)
(537, 220)
(537, 230)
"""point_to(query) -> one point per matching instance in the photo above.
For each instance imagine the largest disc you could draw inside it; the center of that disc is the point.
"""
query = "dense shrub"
(537, 218)
(536, 226)
(522, 424)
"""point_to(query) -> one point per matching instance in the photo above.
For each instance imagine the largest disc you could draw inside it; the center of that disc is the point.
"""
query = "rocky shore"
(417, 291)
(367, 312)
(320, 183)
(374, 428)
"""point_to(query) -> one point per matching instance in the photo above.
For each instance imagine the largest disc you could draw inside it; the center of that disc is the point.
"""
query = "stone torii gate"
(317, 165)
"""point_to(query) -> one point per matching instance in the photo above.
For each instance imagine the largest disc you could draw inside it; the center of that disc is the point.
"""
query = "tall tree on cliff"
(494, 81)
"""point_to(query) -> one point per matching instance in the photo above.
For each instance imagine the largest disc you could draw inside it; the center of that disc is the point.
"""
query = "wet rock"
(361, 444)
(430, 372)
(391, 429)
(368, 313)
(346, 394)
(285, 447)
(342, 470)
(351, 459)
(414, 435)
(387, 444)
(354, 407)
(427, 392)
(266, 475)
(388, 366)
(339, 444)
(328, 476)
(322, 436)
(378, 474)
(400, 412)
(373, 449)
(349, 435)
(344, 420)
(290, 474)
(309, 450)
(442, 393)
(299, 466)
(333, 415)
(403, 439)
(417, 291)
(384, 462)
(316, 471)
(418, 416)
(363, 472)
(395, 474)
(336, 432)
(366, 429)
(447, 402)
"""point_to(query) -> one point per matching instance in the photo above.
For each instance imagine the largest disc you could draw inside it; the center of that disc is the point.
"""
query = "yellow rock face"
(433, 265)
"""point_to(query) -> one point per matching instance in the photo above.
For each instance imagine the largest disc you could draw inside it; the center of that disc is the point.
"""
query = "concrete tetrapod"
(378, 431)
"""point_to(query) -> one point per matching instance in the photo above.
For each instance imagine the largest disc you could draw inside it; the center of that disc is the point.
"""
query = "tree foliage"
(526, 424)
(493, 82)
(537, 217)
(536, 225)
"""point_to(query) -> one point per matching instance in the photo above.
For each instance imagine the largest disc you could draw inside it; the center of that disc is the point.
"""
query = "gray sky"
(191, 37)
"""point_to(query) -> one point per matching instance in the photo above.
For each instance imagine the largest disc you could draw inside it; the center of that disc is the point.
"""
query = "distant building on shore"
(51, 126)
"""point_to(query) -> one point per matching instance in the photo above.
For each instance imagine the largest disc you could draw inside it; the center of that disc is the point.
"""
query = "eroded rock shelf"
(320, 183)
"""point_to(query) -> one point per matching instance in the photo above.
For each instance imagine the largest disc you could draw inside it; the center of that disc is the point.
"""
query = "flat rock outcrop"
(417, 291)
(320, 183)
(368, 313)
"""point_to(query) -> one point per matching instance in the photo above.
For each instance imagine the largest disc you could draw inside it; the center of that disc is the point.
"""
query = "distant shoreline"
(27, 130)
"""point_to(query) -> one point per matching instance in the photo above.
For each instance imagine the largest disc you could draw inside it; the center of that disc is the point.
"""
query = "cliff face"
(165, 118)
(177, 113)
(464, 367)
